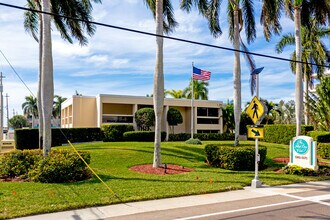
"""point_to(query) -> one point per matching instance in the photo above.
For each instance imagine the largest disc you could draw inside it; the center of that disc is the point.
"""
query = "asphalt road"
(310, 204)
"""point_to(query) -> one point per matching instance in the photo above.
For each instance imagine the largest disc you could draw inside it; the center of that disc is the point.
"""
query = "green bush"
(282, 134)
(320, 136)
(145, 118)
(142, 136)
(193, 141)
(28, 138)
(61, 166)
(115, 132)
(323, 150)
(203, 137)
(17, 163)
(298, 170)
(234, 158)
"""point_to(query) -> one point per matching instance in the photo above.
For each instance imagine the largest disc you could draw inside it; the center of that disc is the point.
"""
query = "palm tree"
(163, 14)
(313, 51)
(68, 28)
(319, 104)
(30, 108)
(58, 100)
(284, 112)
(200, 90)
(177, 94)
(301, 11)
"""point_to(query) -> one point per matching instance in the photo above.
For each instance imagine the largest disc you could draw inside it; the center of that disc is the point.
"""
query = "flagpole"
(192, 102)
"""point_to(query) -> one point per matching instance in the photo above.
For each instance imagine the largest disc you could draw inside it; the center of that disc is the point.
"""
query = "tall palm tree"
(177, 94)
(30, 107)
(301, 11)
(69, 29)
(163, 14)
(58, 100)
(313, 51)
(200, 90)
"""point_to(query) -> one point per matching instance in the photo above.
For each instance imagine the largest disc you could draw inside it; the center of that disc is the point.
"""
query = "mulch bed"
(283, 160)
(170, 169)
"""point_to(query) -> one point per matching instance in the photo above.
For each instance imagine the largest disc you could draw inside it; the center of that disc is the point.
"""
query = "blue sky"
(117, 62)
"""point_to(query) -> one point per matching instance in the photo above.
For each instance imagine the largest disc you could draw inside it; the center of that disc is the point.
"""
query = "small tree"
(174, 118)
(145, 118)
(18, 121)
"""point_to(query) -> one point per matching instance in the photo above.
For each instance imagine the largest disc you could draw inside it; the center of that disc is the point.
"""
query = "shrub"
(323, 150)
(174, 117)
(115, 132)
(282, 134)
(203, 137)
(28, 138)
(145, 118)
(193, 141)
(234, 158)
(17, 163)
(320, 136)
(298, 170)
(18, 121)
(61, 166)
(58, 166)
(142, 136)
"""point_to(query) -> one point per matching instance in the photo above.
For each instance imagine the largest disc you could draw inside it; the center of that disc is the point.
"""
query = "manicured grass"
(112, 160)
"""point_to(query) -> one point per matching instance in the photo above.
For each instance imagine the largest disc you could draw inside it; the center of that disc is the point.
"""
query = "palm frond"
(286, 40)
(270, 16)
(249, 22)
(31, 20)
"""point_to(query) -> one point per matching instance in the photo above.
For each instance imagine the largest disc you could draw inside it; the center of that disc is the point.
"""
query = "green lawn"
(112, 160)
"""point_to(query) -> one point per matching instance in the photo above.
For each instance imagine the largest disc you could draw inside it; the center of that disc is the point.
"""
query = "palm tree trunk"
(305, 92)
(47, 84)
(237, 78)
(299, 87)
(40, 115)
(158, 84)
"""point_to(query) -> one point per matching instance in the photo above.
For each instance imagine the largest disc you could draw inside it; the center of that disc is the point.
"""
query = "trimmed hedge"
(203, 137)
(58, 167)
(323, 150)
(115, 132)
(320, 136)
(234, 158)
(28, 138)
(142, 136)
(282, 134)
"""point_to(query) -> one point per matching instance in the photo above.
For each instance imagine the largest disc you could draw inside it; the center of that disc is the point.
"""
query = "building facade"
(90, 111)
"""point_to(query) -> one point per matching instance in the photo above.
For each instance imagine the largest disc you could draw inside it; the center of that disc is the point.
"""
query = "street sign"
(256, 110)
(255, 132)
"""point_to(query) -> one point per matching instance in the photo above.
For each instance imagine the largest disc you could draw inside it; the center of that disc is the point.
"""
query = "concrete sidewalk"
(179, 202)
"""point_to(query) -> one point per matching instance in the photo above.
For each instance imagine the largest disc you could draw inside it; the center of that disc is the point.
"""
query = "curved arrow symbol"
(256, 132)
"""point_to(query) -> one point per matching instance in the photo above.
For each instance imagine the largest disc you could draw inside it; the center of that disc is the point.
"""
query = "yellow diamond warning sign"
(256, 110)
(255, 132)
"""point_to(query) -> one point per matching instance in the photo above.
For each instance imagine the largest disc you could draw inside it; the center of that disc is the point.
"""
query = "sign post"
(257, 111)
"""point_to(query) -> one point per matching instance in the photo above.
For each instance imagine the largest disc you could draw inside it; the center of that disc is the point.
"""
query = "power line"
(156, 35)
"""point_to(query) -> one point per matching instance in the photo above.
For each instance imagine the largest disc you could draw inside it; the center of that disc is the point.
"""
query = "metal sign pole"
(256, 183)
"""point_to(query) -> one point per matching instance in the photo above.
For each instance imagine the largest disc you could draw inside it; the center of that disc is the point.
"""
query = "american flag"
(199, 74)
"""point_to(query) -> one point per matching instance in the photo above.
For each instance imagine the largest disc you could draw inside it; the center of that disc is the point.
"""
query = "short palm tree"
(30, 107)
(177, 94)
(58, 100)
(319, 105)
(200, 90)
(313, 51)
(69, 29)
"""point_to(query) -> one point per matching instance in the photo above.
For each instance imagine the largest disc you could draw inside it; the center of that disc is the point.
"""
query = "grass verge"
(112, 160)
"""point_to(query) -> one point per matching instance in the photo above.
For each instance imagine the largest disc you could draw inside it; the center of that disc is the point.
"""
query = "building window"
(117, 119)
(208, 121)
(209, 112)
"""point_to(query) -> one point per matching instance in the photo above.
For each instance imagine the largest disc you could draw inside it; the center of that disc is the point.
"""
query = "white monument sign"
(303, 152)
